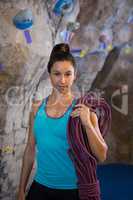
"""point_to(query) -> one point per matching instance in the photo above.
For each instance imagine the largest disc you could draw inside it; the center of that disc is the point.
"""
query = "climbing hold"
(69, 32)
(72, 26)
(27, 36)
(102, 38)
(109, 47)
(63, 7)
(83, 53)
(7, 149)
(130, 18)
(105, 40)
(66, 36)
(76, 52)
(102, 45)
(23, 21)
(1, 67)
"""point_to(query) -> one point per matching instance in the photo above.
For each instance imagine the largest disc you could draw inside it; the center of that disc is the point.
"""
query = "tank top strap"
(74, 102)
(39, 108)
(44, 102)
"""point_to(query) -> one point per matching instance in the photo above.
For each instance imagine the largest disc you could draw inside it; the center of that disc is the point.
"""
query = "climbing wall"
(100, 35)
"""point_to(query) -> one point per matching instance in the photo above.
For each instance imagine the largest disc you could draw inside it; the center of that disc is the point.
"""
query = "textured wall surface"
(105, 36)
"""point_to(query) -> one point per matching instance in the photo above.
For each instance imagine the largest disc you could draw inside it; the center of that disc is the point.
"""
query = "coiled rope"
(84, 161)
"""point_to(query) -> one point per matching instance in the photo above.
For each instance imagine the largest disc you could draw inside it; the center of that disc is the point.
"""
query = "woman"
(55, 176)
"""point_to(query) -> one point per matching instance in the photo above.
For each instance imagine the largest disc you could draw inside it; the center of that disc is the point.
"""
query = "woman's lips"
(62, 87)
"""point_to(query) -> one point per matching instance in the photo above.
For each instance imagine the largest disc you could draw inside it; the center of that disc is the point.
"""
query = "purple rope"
(80, 152)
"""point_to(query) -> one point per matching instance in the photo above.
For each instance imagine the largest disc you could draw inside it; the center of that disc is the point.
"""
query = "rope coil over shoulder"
(84, 161)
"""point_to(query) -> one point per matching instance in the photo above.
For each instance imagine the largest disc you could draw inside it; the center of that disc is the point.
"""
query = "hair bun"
(61, 47)
(64, 47)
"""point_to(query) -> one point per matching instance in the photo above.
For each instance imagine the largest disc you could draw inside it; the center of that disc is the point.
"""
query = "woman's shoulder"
(35, 105)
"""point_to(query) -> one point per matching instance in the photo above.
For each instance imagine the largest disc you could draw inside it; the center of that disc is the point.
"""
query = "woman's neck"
(58, 97)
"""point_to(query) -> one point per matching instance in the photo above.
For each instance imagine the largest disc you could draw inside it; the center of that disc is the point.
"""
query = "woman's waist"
(56, 181)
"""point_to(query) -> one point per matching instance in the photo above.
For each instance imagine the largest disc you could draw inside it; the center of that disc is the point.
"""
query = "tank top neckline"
(45, 104)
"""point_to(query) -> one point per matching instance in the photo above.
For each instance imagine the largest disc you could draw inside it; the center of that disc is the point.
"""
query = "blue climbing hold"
(102, 45)
(63, 7)
(76, 52)
(24, 19)
(1, 67)
(130, 18)
(27, 36)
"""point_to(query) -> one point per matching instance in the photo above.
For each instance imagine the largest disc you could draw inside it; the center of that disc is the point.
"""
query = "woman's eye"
(56, 74)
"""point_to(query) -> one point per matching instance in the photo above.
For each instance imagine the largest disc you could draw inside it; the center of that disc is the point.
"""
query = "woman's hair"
(60, 52)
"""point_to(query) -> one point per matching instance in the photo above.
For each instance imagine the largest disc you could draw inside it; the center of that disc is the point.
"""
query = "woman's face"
(62, 76)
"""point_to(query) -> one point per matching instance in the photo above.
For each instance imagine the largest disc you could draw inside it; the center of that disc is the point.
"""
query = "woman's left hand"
(84, 113)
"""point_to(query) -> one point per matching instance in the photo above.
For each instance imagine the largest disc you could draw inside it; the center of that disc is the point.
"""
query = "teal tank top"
(55, 168)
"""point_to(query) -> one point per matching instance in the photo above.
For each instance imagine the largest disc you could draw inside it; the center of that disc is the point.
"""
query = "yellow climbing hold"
(110, 47)
(7, 149)
(82, 53)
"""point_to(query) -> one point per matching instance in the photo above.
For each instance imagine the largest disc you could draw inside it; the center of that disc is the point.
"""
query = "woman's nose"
(62, 79)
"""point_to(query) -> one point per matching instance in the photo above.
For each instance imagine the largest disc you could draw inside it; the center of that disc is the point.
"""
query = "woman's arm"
(96, 141)
(90, 122)
(28, 158)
